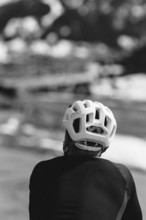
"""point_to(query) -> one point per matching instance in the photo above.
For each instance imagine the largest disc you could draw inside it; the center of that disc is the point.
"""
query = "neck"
(78, 152)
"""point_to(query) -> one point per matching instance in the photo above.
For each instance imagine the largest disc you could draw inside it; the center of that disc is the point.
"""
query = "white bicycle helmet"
(90, 125)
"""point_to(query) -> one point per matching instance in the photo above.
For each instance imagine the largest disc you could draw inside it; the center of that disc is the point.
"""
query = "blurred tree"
(21, 8)
(8, 92)
(100, 20)
(134, 62)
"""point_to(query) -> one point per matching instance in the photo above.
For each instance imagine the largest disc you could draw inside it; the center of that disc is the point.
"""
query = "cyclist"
(80, 185)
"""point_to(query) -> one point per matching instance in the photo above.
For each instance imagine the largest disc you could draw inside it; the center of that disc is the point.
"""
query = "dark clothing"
(82, 188)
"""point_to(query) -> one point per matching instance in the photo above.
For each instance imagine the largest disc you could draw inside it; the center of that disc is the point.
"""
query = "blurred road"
(15, 168)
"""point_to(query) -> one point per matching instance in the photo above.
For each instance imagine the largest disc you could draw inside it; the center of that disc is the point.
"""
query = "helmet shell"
(84, 118)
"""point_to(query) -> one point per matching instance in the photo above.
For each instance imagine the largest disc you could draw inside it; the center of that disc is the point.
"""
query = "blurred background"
(53, 52)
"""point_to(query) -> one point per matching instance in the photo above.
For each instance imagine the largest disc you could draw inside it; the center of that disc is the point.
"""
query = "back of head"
(90, 125)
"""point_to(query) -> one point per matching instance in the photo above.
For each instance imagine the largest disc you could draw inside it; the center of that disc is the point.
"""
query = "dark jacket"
(82, 188)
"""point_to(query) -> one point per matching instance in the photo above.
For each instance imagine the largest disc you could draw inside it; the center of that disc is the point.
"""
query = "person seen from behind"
(80, 185)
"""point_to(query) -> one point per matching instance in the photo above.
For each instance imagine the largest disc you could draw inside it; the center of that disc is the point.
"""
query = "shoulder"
(39, 167)
(124, 170)
(114, 169)
(37, 173)
(41, 171)
(46, 164)
(121, 170)
(127, 176)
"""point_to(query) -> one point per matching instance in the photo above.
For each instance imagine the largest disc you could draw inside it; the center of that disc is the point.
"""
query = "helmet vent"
(105, 122)
(96, 130)
(76, 125)
(75, 109)
(97, 114)
(87, 118)
(85, 105)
